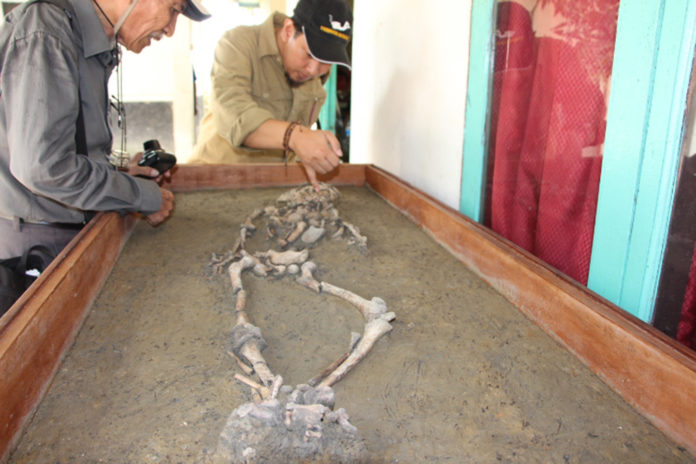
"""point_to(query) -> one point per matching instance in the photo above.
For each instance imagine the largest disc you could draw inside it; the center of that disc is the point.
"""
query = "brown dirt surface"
(463, 377)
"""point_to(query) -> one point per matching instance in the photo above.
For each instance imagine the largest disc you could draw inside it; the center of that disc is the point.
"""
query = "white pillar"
(183, 100)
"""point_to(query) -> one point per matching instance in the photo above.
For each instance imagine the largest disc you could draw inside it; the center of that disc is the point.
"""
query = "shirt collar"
(94, 38)
(267, 40)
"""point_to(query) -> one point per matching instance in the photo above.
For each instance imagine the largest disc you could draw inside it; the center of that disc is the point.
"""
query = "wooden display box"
(653, 373)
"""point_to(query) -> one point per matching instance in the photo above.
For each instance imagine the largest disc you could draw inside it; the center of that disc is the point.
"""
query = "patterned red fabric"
(548, 124)
(686, 331)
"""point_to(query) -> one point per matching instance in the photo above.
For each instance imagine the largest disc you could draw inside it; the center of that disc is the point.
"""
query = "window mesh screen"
(553, 62)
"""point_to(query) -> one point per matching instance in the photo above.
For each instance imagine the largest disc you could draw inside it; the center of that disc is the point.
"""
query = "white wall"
(164, 70)
(410, 62)
(148, 76)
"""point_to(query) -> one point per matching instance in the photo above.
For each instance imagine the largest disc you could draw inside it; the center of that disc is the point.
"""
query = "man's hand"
(146, 171)
(319, 151)
(165, 210)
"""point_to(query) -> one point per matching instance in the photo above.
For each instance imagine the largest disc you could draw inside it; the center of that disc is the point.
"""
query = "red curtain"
(552, 67)
(686, 330)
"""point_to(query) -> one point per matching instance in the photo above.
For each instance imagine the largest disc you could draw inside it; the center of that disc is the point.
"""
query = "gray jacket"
(45, 56)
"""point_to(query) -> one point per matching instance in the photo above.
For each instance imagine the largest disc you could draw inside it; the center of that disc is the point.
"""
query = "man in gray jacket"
(55, 140)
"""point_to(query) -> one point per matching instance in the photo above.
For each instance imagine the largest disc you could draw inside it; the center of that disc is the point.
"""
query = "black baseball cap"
(328, 27)
(195, 10)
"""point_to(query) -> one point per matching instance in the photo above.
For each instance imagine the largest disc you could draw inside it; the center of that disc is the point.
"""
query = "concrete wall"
(410, 61)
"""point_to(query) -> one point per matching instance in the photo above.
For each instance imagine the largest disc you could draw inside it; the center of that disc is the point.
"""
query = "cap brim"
(195, 10)
(326, 49)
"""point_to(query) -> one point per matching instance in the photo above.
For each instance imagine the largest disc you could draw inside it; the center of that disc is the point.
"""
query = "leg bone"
(370, 309)
(307, 279)
(235, 270)
(373, 331)
(248, 343)
(355, 338)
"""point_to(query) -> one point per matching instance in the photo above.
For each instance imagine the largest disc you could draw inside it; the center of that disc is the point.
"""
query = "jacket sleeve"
(236, 114)
(39, 85)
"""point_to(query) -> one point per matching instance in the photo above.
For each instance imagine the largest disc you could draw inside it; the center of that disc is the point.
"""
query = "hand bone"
(361, 240)
(219, 262)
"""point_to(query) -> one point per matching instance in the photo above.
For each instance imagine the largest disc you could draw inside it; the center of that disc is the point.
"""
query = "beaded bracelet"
(286, 140)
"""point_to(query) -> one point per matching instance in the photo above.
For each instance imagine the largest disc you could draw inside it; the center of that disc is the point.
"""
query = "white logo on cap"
(337, 25)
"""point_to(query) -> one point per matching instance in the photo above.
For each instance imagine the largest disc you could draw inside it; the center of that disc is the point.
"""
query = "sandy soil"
(462, 378)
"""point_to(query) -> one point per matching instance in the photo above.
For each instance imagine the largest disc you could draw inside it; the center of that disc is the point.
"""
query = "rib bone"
(300, 227)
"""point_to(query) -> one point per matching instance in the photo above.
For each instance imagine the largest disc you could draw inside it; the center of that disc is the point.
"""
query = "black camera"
(155, 157)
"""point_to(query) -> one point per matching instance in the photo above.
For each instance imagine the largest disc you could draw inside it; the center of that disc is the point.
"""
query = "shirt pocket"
(276, 101)
(306, 106)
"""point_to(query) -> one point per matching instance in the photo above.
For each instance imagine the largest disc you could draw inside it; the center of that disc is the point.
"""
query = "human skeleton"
(304, 415)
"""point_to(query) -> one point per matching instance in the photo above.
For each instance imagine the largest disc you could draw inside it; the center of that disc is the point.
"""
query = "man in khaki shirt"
(268, 89)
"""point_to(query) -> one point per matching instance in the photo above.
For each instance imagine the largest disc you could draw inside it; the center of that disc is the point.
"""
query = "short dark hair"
(298, 26)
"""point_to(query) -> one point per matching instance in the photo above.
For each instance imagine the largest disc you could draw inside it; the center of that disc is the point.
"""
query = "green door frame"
(327, 114)
(645, 126)
(478, 96)
(654, 51)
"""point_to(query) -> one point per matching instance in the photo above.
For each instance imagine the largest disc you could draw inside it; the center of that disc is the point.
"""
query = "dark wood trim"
(40, 327)
(202, 177)
(676, 263)
(652, 372)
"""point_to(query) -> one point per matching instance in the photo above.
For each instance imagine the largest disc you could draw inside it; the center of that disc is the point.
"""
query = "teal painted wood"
(327, 115)
(652, 65)
(478, 98)
(629, 105)
(663, 149)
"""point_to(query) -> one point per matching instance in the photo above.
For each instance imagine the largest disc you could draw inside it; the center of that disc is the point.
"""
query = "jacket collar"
(267, 39)
(94, 38)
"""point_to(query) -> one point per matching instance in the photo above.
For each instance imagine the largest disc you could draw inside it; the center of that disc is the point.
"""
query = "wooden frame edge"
(201, 177)
(37, 331)
(653, 373)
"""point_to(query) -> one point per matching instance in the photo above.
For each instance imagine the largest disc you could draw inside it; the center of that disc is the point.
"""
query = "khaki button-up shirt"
(249, 87)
